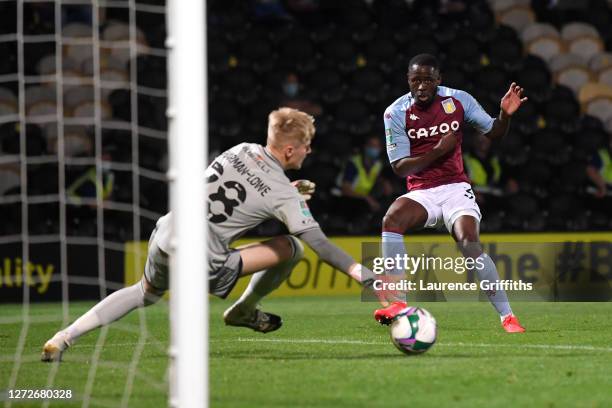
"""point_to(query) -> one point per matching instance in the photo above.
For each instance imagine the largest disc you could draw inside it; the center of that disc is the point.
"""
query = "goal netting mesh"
(83, 146)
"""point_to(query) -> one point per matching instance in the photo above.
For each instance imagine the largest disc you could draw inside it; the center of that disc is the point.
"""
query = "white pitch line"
(477, 345)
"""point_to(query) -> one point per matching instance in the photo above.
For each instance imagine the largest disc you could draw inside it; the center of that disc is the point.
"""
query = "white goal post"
(187, 137)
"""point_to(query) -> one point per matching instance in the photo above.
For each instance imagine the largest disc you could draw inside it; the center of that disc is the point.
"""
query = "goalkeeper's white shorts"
(221, 279)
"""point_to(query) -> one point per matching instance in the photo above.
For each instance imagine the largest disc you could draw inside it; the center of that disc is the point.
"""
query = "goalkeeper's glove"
(305, 187)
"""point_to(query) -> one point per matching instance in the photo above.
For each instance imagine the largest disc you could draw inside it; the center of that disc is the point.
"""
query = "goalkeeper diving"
(246, 185)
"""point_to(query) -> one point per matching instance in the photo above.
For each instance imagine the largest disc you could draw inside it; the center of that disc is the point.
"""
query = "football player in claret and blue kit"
(424, 130)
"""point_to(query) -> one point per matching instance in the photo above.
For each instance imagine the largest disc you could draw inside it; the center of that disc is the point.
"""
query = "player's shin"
(486, 270)
(393, 247)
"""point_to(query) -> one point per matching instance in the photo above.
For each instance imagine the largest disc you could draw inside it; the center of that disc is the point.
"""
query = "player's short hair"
(427, 60)
(290, 125)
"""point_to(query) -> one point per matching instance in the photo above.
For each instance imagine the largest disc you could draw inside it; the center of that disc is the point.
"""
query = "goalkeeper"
(246, 185)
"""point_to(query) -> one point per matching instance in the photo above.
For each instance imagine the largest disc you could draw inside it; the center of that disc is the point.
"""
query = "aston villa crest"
(449, 106)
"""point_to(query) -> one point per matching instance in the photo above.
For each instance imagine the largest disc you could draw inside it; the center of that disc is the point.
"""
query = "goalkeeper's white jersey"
(246, 185)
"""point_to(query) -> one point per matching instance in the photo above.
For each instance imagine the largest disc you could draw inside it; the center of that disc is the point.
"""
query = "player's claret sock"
(387, 314)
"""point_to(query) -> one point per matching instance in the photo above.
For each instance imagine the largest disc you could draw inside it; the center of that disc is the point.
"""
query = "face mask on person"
(290, 89)
(372, 152)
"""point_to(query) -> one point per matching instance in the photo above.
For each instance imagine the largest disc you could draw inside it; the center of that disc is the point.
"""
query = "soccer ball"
(413, 331)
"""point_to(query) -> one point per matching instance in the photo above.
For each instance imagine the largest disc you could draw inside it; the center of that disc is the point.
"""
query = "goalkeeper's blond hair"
(289, 126)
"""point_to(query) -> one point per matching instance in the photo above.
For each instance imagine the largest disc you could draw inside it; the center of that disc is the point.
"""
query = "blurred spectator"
(294, 97)
(483, 168)
(86, 186)
(599, 171)
(363, 188)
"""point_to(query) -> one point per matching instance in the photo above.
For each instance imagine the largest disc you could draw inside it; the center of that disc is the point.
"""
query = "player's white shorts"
(221, 278)
(446, 203)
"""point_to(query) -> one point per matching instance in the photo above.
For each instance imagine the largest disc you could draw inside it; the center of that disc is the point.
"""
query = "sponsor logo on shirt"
(414, 117)
(389, 136)
(437, 130)
(305, 210)
(449, 106)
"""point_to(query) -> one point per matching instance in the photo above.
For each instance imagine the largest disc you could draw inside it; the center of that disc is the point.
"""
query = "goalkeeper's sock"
(392, 247)
(111, 308)
(498, 298)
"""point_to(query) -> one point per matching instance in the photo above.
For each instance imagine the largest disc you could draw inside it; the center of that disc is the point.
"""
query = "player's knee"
(296, 247)
(150, 294)
(391, 222)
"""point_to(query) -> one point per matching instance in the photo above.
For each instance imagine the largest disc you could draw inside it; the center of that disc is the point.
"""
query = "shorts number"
(469, 193)
(229, 203)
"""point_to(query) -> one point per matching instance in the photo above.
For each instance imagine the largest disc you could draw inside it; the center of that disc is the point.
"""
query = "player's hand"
(305, 187)
(385, 295)
(512, 100)
(447, 143)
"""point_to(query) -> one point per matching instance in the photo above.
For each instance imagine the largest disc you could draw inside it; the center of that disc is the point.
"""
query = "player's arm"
(333, 255)
(411, 165)
(510, 103)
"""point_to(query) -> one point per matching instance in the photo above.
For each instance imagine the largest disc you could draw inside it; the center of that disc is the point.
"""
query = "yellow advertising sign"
(527, 257)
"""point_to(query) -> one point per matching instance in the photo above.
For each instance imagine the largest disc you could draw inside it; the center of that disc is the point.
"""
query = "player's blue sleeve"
(398, 144)
(474, 114)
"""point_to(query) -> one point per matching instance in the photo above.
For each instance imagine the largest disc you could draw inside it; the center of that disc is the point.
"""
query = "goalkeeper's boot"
(54, 347)
(387, 314)
(511, 324)
(253, 318)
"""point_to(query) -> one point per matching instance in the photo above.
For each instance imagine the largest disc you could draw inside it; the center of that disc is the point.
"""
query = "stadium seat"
(297, 52)
(567, 60)
(218, 56)
(517, 17)
(340, 52)
(422, 45)
(241, 85)
(562, 211)
(328, 84)
(353, 117)
(605, 76)
(586, 47)
(257, 53)
(594, 90)
(600, 108)
(506, 52)
(536, 30)
(535, 78)
(382, 53)
(545, 47)
(600, 61)
(456, 78)
(550, 146)
(499, 6)
(494, 80)
(6, 95)
(570, 178)
(369, 85)
(575, 30)
(464, 52)
(573, 77)
(534, 177)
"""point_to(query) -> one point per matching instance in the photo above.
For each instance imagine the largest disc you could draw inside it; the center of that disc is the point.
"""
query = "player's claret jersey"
(246, 185)
(411, 130)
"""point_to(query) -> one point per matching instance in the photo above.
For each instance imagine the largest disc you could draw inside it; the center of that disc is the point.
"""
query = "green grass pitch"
(331, 353)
